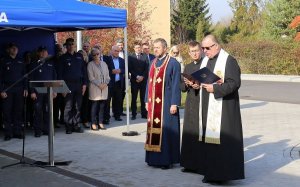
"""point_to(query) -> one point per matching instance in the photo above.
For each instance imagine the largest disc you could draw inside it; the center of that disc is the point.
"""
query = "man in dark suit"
(43, 69)
(120, 44)
(138, 69)
(146, 51)
(11, 70)
(72, 70)
(116, 67)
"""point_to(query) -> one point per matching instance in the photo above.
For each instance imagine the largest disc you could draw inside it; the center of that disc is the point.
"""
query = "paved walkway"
(106, 158)
(276, 78)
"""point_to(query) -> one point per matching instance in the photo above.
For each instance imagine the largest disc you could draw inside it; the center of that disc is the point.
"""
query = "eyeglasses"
(97, 54)
(208, 48)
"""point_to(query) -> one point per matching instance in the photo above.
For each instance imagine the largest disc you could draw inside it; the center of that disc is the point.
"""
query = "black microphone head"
(43, 60)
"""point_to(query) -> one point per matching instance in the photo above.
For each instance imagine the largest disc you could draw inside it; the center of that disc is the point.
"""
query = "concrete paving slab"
(25, 175)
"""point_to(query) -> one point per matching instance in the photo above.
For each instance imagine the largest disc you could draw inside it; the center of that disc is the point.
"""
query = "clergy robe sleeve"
(232, 80)
(176, 76)
(183, 86)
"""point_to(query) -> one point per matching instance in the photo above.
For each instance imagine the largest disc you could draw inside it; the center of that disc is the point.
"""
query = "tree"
(222, 31)
(174, 5)
(190, 15)
(246, 20)
(278, 15)
(107, 37)
(203, 28)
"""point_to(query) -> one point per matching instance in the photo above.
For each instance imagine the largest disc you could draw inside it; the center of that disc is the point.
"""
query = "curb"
(273, 78)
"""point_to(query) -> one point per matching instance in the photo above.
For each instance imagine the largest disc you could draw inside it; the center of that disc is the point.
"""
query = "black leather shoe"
(133, 118)
(94, 127)
(37, 134)
(78, 128)
(123, 114)
(56, 126)
(187, 170)
(166, 167)
(118, 119)
(19, 136)
(7, 138)
(68, 131)
(101, 127)
(204, 180)
(144, 117)
(86, 125)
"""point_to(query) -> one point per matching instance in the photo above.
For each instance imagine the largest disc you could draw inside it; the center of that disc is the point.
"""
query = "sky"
(219, 9)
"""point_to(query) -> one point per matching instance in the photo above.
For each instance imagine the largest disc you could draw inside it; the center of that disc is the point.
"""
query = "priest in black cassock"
(162, 100)
(220, 124)
(190, 150)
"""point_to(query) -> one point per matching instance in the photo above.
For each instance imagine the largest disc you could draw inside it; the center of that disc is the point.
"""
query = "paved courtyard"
(106, 158)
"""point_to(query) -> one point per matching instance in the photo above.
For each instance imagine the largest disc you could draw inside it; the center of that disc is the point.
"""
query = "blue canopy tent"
(32, 23)
(49, 16)
(58, 15)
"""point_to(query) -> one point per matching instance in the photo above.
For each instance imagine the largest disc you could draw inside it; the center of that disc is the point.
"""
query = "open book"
(203, 75)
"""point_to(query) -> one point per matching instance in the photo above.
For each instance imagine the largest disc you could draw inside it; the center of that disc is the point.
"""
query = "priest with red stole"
(162, 101)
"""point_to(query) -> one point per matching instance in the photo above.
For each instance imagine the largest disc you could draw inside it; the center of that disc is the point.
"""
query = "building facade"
(159, 23)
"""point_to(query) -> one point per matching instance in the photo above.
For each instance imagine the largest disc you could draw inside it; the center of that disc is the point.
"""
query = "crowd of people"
(96, 83)
(212, 140)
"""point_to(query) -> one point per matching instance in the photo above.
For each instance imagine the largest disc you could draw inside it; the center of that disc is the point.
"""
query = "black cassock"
(190, 150)
(224, 161)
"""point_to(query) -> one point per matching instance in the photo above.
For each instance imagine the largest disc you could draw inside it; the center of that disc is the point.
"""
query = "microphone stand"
(22, 159)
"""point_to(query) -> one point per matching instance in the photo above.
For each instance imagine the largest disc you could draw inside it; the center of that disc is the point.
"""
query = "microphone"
(46, 59)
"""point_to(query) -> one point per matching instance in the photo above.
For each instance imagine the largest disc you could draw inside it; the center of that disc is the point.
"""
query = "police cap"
(69, 40)
(11, 44)
(41, 48)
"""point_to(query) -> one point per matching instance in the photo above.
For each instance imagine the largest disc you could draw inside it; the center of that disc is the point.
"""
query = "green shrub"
(261, 57)
(266, 57)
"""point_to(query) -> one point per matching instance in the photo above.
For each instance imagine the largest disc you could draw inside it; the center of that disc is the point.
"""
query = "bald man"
(220, 127)
(116, 67)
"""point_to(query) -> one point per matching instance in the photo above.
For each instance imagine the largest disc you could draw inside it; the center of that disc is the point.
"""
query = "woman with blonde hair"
(98, 88)
(175, 53)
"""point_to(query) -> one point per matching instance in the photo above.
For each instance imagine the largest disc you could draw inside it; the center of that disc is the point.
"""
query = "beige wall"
(159, 23)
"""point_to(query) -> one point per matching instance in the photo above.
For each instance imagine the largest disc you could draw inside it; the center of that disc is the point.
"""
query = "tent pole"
(126, 77)
(79, 40)
(127, 133)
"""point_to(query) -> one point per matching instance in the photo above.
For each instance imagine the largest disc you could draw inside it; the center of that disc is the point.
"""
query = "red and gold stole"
(156, 91)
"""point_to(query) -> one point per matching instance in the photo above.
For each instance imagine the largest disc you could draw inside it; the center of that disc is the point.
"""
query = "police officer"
(43, 69)
(72, 70)
(12, 69)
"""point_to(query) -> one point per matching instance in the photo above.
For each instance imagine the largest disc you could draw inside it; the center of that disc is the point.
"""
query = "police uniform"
(42, 71)
(72, 70)
(11, 70)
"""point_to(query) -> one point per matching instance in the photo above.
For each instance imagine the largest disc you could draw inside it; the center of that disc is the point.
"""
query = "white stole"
(214, 113)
